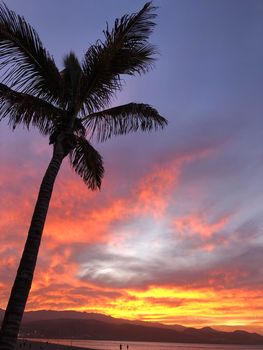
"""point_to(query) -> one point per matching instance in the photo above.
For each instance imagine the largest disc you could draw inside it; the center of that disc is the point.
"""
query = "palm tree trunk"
(22, 284)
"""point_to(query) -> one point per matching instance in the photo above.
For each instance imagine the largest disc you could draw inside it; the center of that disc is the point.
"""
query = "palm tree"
(70, 106)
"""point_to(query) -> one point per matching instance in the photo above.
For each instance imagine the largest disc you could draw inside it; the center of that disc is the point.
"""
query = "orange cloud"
(197, 224)
(79, 218)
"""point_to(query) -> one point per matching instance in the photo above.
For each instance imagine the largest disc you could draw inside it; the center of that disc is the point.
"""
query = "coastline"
(25, 344)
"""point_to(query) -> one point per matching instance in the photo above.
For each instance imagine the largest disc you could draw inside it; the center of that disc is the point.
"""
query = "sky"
(175, 234)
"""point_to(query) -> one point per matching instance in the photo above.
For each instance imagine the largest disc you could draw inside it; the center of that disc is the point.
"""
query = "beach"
(35, 345)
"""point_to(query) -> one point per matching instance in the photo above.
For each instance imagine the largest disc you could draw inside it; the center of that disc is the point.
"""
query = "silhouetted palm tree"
(69, 106)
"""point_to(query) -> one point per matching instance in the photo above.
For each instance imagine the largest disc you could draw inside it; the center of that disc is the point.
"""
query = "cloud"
(102, 251)
(196, 224)
(175, 234)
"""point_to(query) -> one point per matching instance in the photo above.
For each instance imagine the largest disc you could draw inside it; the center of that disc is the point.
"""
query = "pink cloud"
(197, 224)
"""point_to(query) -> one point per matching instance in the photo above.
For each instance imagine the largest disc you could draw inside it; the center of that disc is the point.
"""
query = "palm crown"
(73, 104)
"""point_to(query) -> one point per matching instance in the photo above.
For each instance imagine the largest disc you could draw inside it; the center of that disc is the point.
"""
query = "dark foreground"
(34, 345)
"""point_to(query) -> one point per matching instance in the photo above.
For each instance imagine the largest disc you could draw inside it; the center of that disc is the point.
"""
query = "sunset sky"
(175, 234)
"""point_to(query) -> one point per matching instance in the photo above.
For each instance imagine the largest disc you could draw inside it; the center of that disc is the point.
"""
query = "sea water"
(115, 345)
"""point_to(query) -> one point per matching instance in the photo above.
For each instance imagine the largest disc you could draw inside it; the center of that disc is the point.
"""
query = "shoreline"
(26, 344)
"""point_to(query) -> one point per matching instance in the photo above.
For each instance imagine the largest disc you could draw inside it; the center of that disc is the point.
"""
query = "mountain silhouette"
(82, 325)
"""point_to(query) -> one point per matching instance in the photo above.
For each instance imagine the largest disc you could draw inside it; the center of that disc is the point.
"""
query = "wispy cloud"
(175, 235)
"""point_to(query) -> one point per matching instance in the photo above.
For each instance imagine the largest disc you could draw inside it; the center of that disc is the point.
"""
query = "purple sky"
(189, 198)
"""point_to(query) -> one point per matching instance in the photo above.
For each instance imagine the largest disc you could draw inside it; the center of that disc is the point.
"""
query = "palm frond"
(87, 163)
(125, 51)
(21, 108)
(71, 75)
(123, 120)
(27, 66)
(129, 39)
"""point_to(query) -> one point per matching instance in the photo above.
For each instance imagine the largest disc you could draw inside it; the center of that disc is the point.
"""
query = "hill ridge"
(83, 325)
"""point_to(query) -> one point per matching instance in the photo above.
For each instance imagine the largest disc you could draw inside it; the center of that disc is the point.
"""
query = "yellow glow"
(157, 292)
(222, 309)
(197, 308)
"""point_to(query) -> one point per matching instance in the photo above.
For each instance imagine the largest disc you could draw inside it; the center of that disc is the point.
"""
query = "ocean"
(115, 345)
